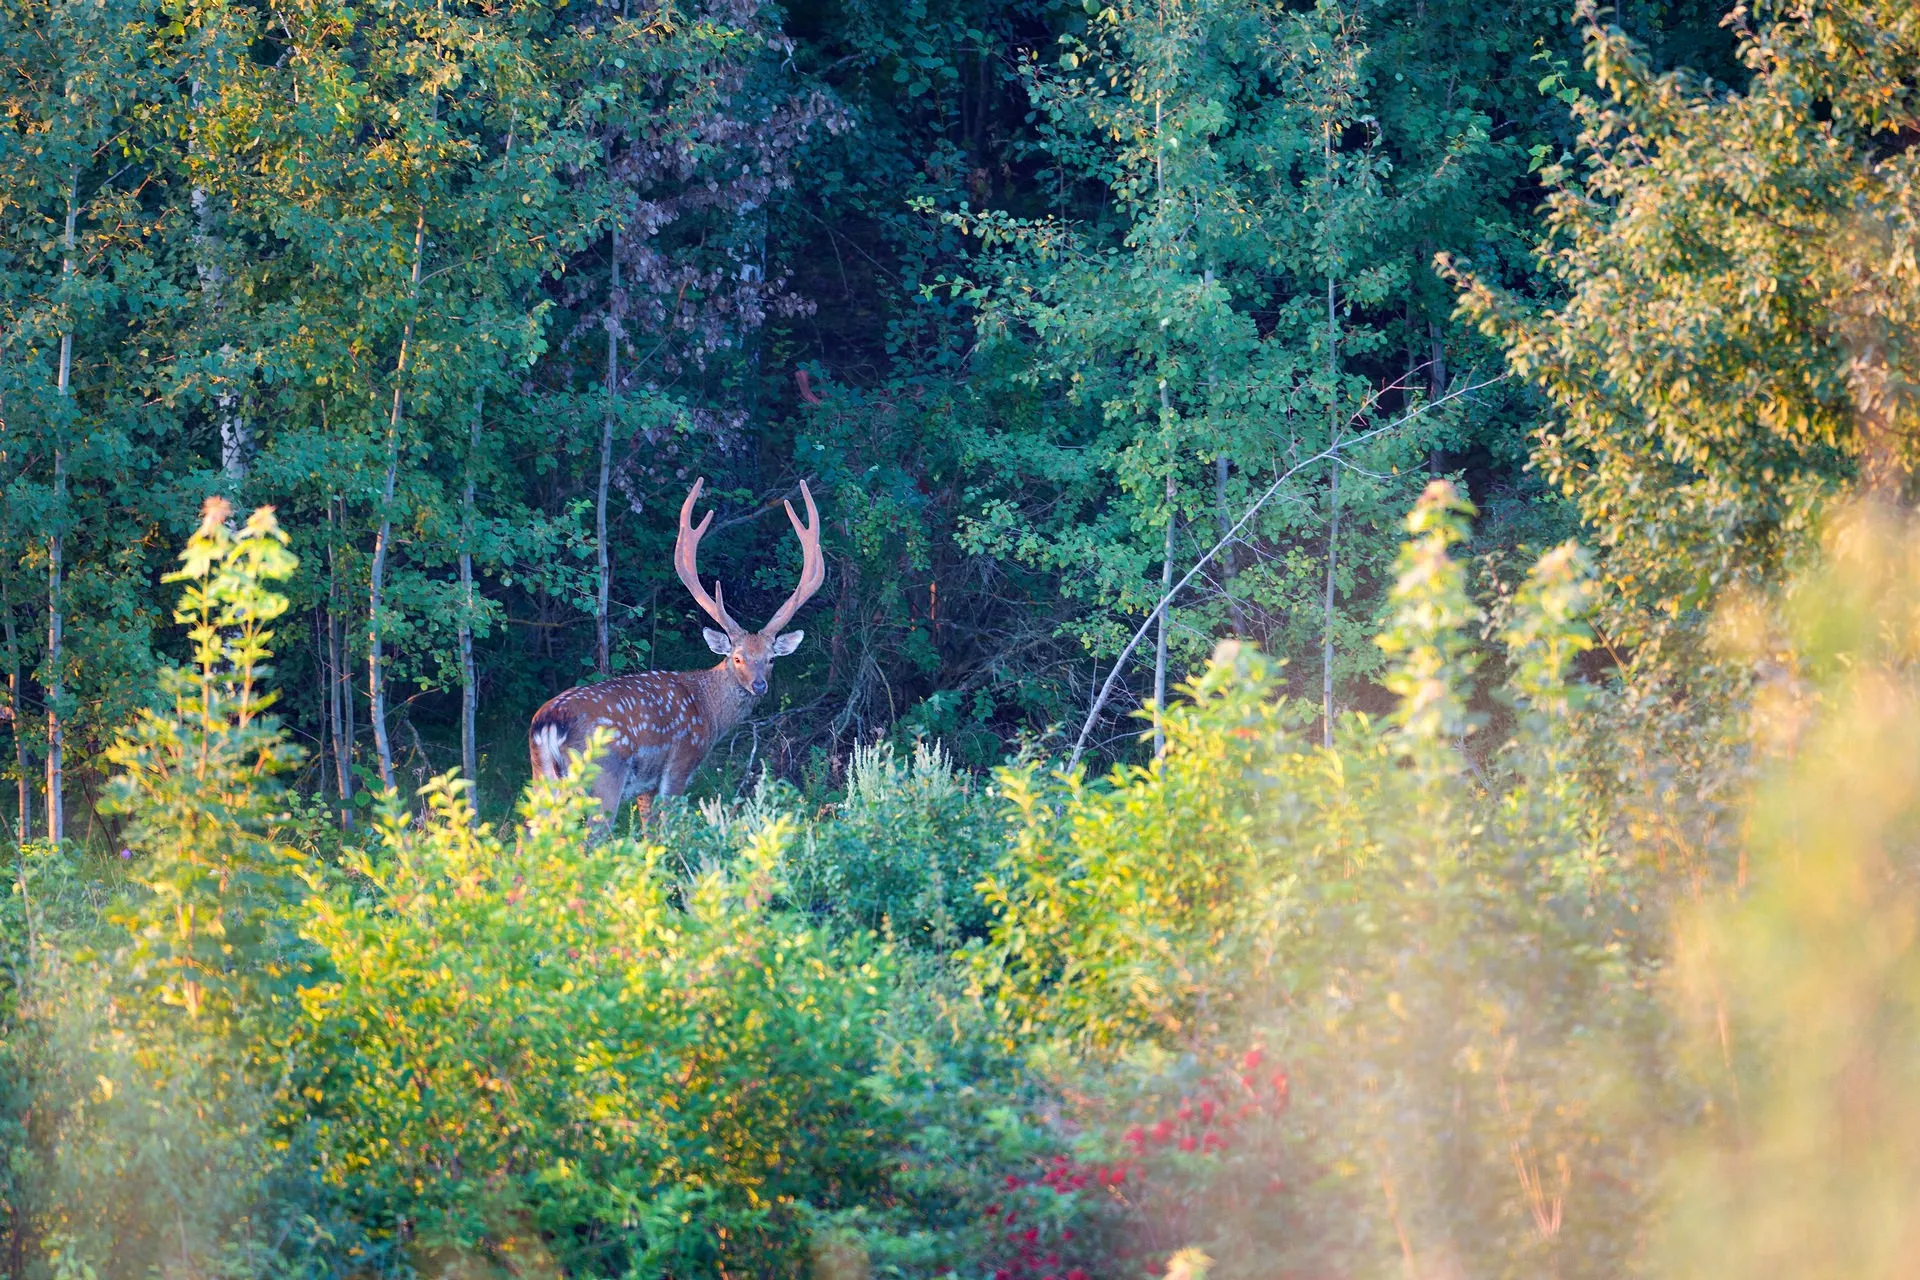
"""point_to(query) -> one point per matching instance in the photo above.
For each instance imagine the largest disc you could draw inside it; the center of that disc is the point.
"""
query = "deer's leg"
(642, 805)
(608, 786)
(678, 772)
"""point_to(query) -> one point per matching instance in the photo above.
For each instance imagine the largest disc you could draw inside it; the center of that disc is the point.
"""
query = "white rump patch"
(550, 751)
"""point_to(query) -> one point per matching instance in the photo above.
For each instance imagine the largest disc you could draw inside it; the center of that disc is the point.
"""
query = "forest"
(1354, 710)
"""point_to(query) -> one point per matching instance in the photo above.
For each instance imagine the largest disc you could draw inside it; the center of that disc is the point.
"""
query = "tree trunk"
(1436, 382)
(15, 687)
(1160, 640)
(603, 653)
(339, 684)
(469, 691)
(1230, 557)
(322, 692)
(377, 578)
(1326, 640)
(235, 438)
(56, 552)
(1166, 584)
(1333, 525)
(1230, 560)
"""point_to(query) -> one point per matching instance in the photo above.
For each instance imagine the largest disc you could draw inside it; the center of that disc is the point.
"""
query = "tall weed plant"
(899, 852)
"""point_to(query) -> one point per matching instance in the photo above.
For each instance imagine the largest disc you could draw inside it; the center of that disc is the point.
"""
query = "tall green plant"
(198, 780)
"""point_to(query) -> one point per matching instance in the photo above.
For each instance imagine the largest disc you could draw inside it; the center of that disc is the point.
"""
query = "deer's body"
(663, 723)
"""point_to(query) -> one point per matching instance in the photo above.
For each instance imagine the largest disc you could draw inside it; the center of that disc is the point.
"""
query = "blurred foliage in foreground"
(1584, 1003)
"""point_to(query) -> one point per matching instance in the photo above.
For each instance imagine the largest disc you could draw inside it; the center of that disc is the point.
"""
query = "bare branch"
(1331, 451)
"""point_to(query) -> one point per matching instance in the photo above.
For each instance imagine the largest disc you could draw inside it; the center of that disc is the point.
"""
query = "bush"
(1578, 1003)
(1335, 1007)
(461, 1048)
(525, 1040)
(899, 853)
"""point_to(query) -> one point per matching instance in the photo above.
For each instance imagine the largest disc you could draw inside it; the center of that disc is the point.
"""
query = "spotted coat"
(663, 725)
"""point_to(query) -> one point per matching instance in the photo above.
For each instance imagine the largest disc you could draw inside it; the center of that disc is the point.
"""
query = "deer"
(663, 724)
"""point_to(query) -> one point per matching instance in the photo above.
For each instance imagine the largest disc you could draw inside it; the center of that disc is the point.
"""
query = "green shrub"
(461, 1049)
(198, 778)
(1346, 1009)
(524, 1044)
(899, 853)
(1582, 1003)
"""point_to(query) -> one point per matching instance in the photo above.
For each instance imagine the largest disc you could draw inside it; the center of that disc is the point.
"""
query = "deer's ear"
(717, 641)
(786, 642)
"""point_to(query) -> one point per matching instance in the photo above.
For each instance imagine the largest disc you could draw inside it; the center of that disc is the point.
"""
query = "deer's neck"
(721, 696)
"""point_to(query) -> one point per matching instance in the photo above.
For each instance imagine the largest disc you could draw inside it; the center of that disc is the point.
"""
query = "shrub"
(459, 1048)
(1578, 1004)
(523, 1040)
(1443, 965)
(899, 853)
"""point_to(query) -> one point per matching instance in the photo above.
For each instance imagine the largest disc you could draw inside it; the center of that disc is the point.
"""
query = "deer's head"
(749, 654)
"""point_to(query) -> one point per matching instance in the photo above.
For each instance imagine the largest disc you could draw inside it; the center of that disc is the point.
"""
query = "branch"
(1331, 451)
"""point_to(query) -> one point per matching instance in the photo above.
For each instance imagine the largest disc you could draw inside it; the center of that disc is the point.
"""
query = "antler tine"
(813, 566)
(686, 560)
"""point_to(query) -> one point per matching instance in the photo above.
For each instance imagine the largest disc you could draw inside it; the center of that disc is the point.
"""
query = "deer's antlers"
(813, 565)
(686, 561)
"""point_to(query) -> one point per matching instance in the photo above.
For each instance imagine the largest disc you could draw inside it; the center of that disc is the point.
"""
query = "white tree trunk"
(469, 690)
(339, 683)
(377, 578)
(15, 686)
(56, 552)
(603, 654)
(1333, 528)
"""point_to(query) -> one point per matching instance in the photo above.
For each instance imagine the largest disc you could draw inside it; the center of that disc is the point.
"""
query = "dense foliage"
(1357, 726)
(1040, 298)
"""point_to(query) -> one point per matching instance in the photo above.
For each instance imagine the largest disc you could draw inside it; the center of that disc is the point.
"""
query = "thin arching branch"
(1226, 539)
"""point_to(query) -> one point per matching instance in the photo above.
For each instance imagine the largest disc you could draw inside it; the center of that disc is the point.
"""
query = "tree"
(1735, 340)
(79, 280)
(1211, 328)
(413, 202)
(700, 128)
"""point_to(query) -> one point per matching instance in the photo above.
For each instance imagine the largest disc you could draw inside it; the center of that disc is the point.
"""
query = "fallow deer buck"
(664, 723)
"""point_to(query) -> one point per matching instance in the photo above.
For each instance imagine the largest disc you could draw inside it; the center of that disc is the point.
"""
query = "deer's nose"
(760, 686)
